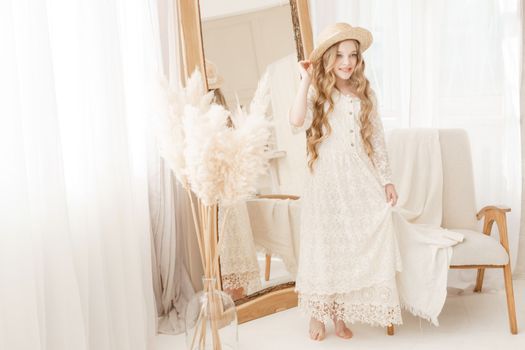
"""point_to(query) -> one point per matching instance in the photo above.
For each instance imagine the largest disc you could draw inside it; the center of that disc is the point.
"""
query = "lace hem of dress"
(326, 308)
(250, 281)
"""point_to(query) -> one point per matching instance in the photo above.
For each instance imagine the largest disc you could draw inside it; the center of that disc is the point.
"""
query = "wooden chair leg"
(390, 329)
(268, 264)
(479, 281)
(510, 299)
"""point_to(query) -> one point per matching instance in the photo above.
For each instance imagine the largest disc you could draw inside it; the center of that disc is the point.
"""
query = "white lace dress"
(239, 266)
(348, 251)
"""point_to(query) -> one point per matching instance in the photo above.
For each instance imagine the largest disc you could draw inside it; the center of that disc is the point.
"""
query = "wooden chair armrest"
(496, 214)
(278, 196)
(488, 208)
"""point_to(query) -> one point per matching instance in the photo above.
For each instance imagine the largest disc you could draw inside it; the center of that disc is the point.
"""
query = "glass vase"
(211, 319)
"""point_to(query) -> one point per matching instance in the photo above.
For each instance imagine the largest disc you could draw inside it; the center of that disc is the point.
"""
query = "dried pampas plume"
(220, 164)
(261, 99)
(170, 130)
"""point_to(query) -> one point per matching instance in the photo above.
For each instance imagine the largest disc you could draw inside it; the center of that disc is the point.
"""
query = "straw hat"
(212, 76)
(340, 32)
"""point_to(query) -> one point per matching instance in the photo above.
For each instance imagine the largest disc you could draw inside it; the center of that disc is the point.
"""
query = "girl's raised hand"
(305, 69)
(391, 194)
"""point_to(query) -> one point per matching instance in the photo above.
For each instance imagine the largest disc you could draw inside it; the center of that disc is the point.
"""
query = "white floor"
(468, 321)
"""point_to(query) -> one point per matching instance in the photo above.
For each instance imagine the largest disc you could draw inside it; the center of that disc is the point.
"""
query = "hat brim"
(363, 36)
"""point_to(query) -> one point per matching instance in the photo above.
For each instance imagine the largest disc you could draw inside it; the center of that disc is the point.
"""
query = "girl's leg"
(236, 293)
(317, 329)
(341, 330)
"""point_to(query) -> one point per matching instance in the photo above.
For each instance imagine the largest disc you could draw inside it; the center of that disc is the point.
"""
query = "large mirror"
(240, 42)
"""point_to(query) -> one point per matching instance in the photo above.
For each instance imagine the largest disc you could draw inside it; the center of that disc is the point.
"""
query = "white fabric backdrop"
(448, 64)
(520, 270)
(177, 268)
(75, 263)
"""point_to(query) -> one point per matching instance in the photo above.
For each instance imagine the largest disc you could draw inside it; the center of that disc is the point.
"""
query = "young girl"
(348, 252)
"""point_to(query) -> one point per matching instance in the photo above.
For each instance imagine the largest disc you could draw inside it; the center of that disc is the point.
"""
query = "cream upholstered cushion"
(459, 203)
(459, 200)
(478, 249)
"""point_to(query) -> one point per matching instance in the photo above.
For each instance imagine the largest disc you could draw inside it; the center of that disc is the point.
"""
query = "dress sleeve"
(380, 157)
(309, 113)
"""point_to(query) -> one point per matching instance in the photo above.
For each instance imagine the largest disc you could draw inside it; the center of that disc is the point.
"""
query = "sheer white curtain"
(177, 270)
(449, 64)
(520, 270)
(75, 98)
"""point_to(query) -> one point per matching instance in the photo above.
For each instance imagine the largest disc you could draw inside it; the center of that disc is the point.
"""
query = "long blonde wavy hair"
(323, 78)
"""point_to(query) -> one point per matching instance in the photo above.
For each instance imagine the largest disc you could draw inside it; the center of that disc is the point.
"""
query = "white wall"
(216, 8)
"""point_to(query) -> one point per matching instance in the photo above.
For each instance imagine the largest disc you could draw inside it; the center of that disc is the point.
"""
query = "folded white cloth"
(275, 227)
(426, 248)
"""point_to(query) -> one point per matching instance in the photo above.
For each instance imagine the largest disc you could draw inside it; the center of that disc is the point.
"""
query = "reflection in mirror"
(243, 40)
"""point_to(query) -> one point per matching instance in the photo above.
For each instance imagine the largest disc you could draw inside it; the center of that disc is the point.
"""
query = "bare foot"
(341, 330)
(236, 294)
(317, 330)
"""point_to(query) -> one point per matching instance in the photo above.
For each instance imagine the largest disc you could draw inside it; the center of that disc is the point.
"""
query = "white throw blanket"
(275, 225)
(426, 248)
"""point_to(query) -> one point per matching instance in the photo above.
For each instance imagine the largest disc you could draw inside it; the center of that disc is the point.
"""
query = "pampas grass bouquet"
(219, 164)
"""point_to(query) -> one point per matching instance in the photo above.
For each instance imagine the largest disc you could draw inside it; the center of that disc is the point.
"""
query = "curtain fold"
(177, 269)
(75, 106)
(520, 269)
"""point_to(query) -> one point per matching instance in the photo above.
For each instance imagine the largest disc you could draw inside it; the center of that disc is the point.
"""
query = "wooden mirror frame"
(281, 297)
